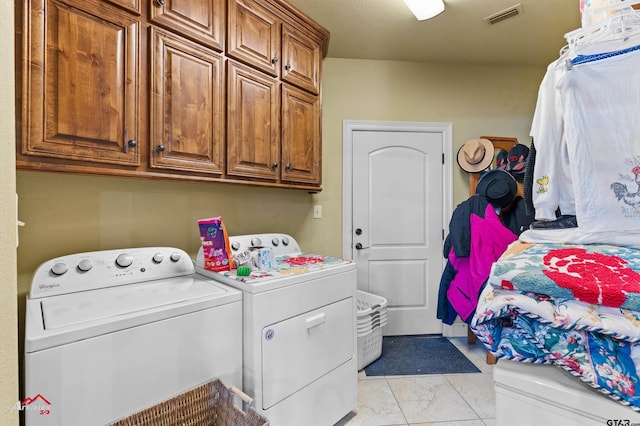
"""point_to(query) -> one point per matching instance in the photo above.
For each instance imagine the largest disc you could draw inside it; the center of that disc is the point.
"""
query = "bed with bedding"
(574, 306)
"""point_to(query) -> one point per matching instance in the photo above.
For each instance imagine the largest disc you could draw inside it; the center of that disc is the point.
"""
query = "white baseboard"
(457, 329)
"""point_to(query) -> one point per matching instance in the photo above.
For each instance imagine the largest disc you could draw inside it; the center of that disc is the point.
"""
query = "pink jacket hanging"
(489, 239)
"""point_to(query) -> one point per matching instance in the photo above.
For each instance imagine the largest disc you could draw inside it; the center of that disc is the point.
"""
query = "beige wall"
(72, 213)
(478, 100)
(8, 314)
(69, 213)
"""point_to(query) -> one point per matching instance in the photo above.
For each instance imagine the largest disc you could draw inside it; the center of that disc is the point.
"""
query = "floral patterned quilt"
(597, 343)
(593, 273)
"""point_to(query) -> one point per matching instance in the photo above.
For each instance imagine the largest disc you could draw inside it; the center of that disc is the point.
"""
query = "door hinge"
(442, 234)
(443, 158)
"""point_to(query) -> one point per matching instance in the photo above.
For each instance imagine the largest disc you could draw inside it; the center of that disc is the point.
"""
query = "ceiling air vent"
(504, 14)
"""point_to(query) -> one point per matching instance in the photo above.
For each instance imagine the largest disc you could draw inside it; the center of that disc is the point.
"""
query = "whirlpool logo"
(46, 286)
(269, 333)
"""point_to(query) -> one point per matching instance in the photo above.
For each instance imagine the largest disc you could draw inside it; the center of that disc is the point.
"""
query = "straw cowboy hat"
(475, 155)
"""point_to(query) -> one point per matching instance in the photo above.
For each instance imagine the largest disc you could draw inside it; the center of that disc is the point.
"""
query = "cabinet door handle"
(274, 60)
(160, 2)
(274, 165)
(288, 167)
(160, 148)
(132, 143)
(288, 67)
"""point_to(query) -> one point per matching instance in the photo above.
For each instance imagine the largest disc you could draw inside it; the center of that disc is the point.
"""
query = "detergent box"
(215, 245)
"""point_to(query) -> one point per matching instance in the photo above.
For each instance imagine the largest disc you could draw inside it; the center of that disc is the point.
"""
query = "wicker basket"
(210, 404)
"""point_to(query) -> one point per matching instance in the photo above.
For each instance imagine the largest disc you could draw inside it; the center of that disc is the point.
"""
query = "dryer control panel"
(108, 268)
(281, 244)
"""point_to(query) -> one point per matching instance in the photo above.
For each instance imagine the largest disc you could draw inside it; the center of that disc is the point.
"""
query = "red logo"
(29, 401)
(38, 404)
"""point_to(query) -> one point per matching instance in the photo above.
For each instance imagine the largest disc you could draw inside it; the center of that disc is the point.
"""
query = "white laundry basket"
(372, 316)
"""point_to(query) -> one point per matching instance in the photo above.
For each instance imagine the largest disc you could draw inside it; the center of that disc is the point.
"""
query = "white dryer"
(109, 333)
(299, 331)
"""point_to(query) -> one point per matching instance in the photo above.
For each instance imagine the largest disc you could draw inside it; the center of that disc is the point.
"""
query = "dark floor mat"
(414, 355)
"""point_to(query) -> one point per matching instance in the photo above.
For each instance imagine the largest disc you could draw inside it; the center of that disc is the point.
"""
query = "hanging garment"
(552, 187)
(458, 241)
(489, 239)
(601, 111)
(583, 59)
(517, 218)
(459, 238)
(527, 182)
(445, 310)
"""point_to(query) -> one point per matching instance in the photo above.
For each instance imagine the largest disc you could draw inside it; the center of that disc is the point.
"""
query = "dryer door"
(299, 350)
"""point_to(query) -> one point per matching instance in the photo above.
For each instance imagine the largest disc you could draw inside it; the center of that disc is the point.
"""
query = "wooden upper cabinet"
(254, 35)
(131, 5)
(187, 99)
(80, 83)
(253, 125)
(301, 59)
(198, 90)
(301, 140)
(201, 20)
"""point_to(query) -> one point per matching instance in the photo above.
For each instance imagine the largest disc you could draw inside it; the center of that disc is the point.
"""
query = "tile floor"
(438, 400)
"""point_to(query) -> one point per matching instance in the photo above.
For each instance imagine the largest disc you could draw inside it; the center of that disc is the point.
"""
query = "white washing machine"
(300, 347)
(109, 333)
(533, 395)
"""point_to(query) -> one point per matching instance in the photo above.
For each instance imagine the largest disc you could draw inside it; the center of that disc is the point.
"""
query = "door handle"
(358, 246)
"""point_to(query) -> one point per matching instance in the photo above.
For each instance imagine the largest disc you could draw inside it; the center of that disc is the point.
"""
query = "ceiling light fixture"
(425, 9)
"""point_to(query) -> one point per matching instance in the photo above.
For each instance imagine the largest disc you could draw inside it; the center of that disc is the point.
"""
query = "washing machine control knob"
(85, 265)
(158, 258)
(285, 241)
(124, 260)
(175, 256)
(235, 245)
(275, 242)
(255, 242)
(59, 268)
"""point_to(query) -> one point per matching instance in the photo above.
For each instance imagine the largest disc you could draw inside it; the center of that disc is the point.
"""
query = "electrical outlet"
(317, 212)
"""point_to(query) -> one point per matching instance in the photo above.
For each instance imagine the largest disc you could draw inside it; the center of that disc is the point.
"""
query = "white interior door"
(397, 201)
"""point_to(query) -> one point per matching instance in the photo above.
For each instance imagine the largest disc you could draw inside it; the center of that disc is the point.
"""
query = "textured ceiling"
(387, 30)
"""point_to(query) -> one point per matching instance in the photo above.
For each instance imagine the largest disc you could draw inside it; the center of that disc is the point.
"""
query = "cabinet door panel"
(81, 94)
(301, 59)
(187, 123)
(301, 142)
(97, 5)
(132, 5)
(253, 124)
(201, 20)
(254, 36)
